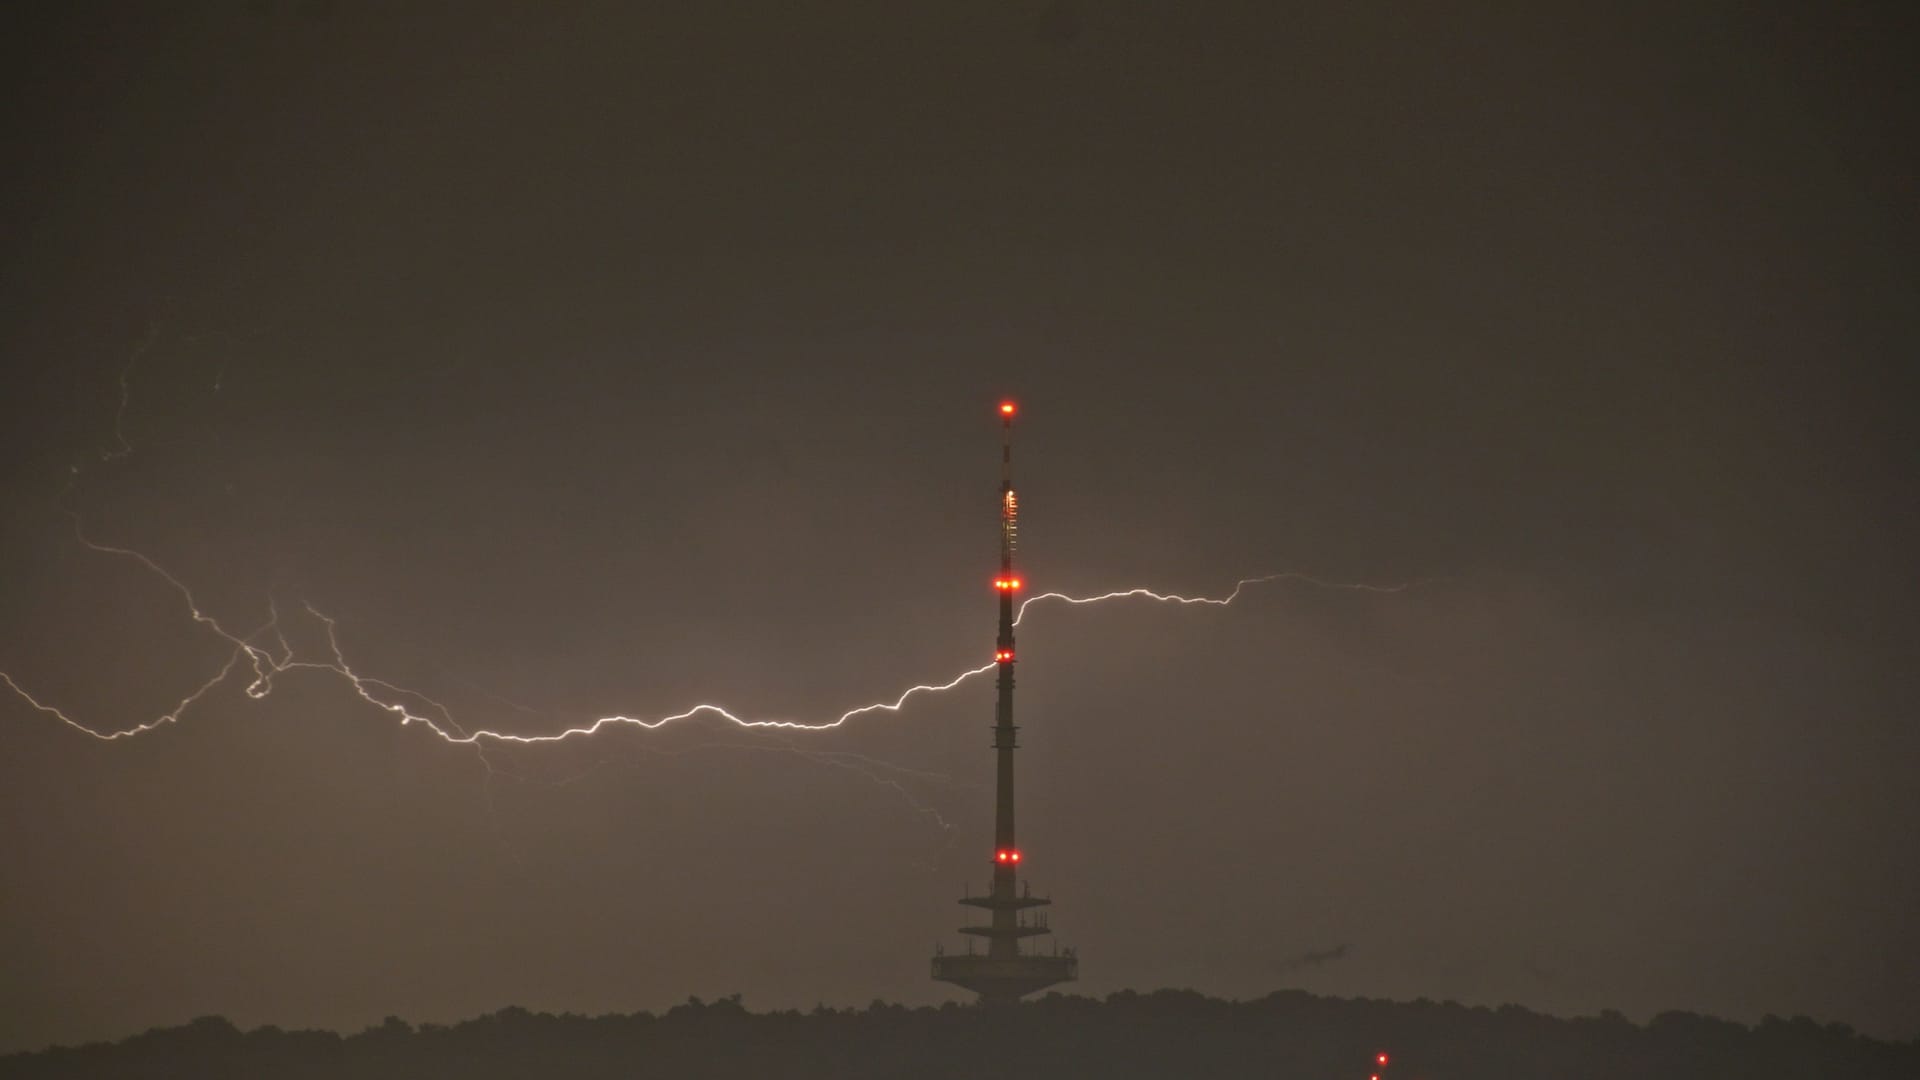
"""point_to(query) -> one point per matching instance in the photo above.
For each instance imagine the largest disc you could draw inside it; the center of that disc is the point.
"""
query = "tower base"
(1005, 979)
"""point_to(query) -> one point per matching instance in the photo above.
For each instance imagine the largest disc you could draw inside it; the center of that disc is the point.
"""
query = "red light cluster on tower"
(1007, 584)
(1003, 656)
(1006, 856)
(1006, 408)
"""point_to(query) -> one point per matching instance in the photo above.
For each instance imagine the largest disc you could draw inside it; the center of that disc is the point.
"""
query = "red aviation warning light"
(1006, 972)
(1380, 1058)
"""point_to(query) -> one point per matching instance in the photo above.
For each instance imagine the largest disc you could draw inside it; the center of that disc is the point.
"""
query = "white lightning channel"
(1217, 601)
(411, 707)
(437, 718)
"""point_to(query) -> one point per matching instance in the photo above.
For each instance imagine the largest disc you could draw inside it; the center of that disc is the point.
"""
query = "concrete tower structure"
(1006, 972)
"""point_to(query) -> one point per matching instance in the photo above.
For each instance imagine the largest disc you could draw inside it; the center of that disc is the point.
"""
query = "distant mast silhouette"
(1005, 972)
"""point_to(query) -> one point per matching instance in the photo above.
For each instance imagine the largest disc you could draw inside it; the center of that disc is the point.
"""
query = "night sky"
(581, 359)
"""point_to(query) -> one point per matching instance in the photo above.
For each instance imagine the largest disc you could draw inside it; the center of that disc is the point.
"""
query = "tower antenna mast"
(1006, 973)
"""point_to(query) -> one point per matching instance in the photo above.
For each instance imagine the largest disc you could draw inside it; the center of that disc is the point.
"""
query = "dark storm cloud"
(585, 358)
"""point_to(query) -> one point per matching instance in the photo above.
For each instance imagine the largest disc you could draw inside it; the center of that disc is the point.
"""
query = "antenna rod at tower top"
(1009, 505)
(1007, 409)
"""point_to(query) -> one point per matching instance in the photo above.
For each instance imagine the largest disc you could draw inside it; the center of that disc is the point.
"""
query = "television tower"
(1005, 973)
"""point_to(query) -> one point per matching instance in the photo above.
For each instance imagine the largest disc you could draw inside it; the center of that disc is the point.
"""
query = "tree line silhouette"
(1167, 1033)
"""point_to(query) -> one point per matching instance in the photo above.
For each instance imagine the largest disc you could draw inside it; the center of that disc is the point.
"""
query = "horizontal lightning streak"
(893, 706)
(1221, 601)
(438, 719)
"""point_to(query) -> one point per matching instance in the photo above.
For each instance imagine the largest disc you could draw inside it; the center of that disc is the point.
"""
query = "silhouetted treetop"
(1166, 1033)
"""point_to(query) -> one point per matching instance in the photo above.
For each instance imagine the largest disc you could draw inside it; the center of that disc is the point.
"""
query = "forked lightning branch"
(263, 655)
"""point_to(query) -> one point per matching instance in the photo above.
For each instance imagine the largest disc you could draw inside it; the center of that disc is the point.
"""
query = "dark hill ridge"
(1169, 1033)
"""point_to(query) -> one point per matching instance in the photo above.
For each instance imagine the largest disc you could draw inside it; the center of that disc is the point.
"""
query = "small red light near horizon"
(1006, 408)
(1381, 1057)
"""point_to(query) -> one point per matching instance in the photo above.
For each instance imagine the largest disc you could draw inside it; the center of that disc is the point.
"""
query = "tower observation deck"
(1005, 972)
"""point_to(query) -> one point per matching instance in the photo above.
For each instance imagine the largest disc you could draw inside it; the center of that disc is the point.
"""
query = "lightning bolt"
(411, 707)
(1220, 601)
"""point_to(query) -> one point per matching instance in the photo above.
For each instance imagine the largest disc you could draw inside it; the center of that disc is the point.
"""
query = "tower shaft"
(1005, 941)
(1005, 973)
